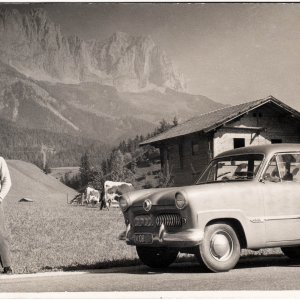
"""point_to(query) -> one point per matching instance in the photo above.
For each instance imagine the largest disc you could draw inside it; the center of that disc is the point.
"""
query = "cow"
(113, 191)
(92, 196)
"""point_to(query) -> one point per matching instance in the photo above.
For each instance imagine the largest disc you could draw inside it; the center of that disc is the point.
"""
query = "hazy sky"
(231, 53)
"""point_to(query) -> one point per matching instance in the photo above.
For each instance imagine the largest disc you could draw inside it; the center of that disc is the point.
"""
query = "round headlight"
(123, 203)
(180, 200)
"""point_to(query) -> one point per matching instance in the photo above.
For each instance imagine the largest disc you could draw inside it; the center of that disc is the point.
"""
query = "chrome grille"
(169, 220)
(143, 220)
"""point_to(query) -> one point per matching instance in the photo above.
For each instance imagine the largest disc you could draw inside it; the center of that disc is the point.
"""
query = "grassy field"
(49, 234)
(59, 236)
(66, 237)
(62, 236)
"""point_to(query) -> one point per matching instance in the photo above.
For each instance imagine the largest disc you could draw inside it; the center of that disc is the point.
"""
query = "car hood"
(158, 196)
(166, 196)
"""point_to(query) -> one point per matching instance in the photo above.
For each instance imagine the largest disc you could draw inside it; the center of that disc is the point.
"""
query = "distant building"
(186, 149)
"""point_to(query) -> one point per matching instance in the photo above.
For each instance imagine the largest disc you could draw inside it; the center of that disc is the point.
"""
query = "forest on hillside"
(122, 163)
(33, 145)
(98, 162)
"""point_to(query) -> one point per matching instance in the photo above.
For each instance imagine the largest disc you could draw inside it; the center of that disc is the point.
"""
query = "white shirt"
(5, 181)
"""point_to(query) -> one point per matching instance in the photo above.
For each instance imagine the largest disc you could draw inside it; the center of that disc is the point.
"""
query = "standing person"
(102, 199)
(5, 184)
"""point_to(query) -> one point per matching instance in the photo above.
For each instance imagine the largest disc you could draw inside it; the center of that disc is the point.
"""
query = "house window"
(276, 141)
(238, 143)
(195, 148)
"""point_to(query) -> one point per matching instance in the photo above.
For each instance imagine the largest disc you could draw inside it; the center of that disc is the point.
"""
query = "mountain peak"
(35, 46)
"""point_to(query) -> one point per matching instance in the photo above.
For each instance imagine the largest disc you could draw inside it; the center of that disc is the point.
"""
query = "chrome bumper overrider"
(185, 238)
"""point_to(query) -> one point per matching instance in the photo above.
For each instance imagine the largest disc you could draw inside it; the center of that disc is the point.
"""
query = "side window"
(289, 165)
(272, 173)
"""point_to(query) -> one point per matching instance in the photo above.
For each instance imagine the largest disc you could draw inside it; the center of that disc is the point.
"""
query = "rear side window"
(283, 167)
(289, 166)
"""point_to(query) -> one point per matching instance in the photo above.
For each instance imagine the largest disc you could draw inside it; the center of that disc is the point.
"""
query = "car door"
(281, 192)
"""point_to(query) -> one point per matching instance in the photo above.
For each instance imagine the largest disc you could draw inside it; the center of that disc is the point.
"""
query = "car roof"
(262, 149)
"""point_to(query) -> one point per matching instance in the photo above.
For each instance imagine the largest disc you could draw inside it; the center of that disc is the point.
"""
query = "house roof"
(211, 120)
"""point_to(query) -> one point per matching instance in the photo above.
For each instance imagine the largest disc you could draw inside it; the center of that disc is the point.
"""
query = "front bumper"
(183, 239)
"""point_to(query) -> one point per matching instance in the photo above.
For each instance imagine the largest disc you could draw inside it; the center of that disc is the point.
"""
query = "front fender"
(254, 227)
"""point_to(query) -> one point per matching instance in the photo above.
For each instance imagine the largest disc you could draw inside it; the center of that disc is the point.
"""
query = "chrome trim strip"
(294, 217)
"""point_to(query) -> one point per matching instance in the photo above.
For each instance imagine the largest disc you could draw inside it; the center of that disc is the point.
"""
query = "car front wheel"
(156, 257)
(291, 252)
(220, 248)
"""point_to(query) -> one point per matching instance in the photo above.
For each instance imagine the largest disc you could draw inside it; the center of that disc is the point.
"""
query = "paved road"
(264, 274)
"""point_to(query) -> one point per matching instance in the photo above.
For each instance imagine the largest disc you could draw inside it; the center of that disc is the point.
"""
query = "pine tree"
(117, 166)
(97, 179)
(133, 165)
(164, 125)
(85, 170)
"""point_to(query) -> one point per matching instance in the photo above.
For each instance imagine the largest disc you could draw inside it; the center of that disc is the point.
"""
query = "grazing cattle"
(112, 192)
(92, 196)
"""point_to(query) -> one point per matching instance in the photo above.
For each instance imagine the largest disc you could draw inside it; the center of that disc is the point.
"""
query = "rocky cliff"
(31, 43)
(103, 90)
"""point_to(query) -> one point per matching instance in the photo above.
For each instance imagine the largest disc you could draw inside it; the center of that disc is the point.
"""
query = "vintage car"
(246, 198)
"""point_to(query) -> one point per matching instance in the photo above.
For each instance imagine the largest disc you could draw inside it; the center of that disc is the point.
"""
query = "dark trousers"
(102, 204)
(4, 243)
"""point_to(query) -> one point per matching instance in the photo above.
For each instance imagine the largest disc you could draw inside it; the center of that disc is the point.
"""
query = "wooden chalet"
(186, 149)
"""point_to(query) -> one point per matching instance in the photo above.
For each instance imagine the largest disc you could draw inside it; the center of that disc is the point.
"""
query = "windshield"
(232, 168)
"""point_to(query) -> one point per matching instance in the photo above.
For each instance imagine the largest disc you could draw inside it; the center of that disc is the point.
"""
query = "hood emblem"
(147, 204)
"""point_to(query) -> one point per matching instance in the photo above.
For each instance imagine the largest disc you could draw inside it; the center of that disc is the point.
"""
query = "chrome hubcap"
(221, 245)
